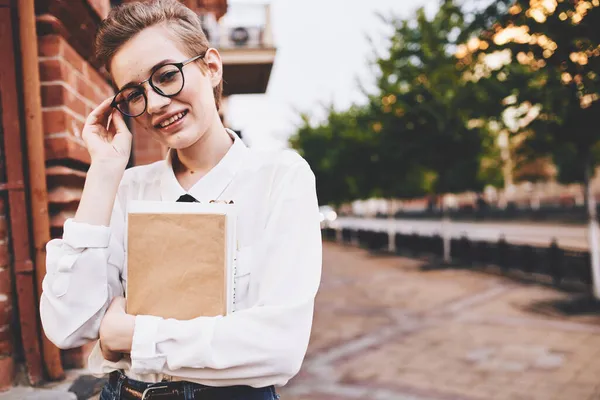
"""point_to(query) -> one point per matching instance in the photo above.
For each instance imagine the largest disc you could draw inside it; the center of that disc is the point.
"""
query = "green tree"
(554, 49)
(341, 153)
(418, 135)
(420, 113)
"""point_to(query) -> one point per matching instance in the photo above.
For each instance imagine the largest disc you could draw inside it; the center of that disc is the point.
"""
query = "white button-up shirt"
(264, 341)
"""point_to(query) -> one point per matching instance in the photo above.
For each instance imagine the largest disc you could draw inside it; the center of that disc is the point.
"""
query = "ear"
(212, 58)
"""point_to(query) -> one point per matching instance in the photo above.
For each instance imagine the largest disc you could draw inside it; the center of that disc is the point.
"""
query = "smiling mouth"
(174, 119)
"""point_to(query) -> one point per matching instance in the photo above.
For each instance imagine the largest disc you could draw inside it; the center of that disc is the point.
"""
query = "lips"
(170, 120)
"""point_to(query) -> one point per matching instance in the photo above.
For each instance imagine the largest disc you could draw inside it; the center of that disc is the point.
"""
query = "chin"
(181, 140)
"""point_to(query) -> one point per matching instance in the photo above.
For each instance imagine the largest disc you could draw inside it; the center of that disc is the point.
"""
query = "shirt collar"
(211, 185)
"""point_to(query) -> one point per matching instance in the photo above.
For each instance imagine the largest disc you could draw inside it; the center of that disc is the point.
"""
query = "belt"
(170, 390)
(160, 390)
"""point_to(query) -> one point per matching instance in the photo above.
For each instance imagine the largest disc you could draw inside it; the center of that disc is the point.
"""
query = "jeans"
(112, 390)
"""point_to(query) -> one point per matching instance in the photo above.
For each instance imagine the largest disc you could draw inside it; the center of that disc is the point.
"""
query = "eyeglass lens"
(166, 81)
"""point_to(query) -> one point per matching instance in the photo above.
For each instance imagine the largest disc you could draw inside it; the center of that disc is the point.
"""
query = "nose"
(156, 101)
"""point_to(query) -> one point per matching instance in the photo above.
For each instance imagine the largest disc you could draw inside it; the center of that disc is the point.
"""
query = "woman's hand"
(116, 330)
(106, 135)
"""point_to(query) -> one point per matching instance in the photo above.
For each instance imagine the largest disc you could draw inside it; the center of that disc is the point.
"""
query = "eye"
(134, 96)
(168, 76)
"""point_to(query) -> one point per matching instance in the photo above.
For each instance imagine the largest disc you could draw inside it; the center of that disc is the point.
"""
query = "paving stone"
(385, 323)
(28, 393)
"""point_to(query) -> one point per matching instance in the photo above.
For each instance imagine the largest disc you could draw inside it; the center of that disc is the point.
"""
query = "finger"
(123, 138)
(100, 112)
(119, 122)
(110, 117)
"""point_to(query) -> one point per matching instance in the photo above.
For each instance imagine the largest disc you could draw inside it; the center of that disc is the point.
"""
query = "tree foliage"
(554, 49)
(341, 153)
(447, 88)
(413, 138)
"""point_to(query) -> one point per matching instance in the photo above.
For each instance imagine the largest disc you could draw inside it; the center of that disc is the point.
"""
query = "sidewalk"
(386, 329)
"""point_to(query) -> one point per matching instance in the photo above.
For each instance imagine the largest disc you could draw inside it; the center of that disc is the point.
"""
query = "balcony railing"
(245, 26)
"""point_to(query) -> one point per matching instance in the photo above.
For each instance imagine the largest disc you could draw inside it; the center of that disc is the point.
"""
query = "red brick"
(2, 201)
(4, 255)
(52, 96)
(49, 46)
(6, 314)
(71, 78)
(57, 95)
(60, 70)
(7, 373)
(98, 81)
(57, 121)
(6, 347)
(60, 148)
(3, 228)
(88, 91)
(51, 70)
(54, 121)
(5, 331)
(5, 282)
(71, 56)
(85, 70)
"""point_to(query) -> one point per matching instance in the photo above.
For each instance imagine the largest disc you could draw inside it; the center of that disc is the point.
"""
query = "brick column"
(7, 316)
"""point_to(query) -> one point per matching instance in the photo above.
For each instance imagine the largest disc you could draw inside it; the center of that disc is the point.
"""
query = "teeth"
(169, 121)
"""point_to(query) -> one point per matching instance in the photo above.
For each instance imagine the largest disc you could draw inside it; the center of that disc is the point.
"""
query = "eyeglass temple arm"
(193, 59)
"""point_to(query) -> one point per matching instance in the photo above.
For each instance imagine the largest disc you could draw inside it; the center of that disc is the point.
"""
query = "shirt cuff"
(144, 358)
(79, 235)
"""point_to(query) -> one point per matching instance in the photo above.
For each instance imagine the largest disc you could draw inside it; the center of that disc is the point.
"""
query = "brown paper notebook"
(180, 259)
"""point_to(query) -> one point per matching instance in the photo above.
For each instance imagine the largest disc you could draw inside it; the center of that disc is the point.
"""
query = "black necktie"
(186, 198)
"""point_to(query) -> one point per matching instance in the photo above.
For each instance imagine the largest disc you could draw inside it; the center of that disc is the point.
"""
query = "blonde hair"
(127, 20)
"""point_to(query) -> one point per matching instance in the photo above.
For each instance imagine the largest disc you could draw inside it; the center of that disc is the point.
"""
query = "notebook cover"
(176, 265)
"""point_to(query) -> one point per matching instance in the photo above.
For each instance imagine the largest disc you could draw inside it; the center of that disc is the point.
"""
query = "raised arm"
(83, 268)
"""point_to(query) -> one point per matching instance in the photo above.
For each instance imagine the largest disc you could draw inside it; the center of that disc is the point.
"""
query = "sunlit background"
(455, 146)
(325, 51)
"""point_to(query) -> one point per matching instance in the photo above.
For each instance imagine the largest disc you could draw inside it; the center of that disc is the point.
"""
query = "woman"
(168, 81)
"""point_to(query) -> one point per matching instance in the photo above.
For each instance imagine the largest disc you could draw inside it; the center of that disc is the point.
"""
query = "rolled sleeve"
(144, 356)
(80, 280)
(80, 236)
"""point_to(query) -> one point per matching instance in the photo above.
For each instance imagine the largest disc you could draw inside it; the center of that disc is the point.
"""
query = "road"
(567, 236)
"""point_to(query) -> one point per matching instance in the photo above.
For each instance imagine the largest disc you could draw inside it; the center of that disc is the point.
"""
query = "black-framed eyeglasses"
(167, 80)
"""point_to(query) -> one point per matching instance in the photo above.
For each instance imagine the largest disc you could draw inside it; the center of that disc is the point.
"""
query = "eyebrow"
(152, 70)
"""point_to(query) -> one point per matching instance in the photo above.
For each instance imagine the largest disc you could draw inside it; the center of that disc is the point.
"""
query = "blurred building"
(49, 83)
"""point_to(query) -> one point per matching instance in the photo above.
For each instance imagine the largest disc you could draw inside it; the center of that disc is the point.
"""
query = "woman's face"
(180, 121)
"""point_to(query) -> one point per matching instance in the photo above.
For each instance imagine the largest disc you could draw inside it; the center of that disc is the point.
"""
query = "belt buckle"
(150, 389)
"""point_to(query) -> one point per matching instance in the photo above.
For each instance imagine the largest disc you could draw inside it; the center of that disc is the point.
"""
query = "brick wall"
(70, 88)
(145, 149)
